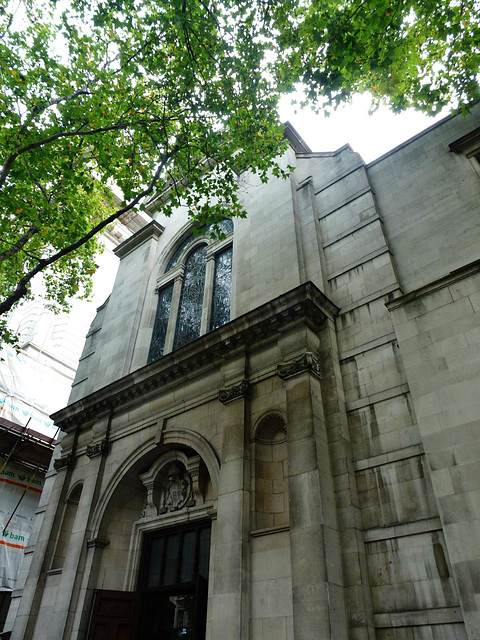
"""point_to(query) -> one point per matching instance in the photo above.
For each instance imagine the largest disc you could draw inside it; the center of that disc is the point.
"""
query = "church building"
(276, 435)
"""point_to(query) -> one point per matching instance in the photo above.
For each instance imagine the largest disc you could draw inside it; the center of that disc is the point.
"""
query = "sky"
(369, 135)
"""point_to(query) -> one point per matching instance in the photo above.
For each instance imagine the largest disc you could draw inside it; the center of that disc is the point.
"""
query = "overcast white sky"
(369, 135)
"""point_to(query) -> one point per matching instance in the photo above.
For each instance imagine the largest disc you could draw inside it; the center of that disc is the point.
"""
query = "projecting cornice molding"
(152, 230)
(468, 144)
(304, 303)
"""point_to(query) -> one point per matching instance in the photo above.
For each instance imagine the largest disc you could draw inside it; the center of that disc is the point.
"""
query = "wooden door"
(114, 615)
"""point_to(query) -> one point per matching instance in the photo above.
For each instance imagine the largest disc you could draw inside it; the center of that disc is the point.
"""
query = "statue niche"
(174, 482)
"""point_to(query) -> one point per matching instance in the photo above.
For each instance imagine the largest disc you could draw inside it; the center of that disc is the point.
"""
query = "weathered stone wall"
(429, 198)
(342, 456)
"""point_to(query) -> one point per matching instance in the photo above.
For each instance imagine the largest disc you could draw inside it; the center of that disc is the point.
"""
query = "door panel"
(114, 615)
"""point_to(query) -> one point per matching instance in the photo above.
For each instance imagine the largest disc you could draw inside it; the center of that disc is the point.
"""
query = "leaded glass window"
(192, 298)
(225, 226)
(222, 289)
(161, 323)
(191, 303)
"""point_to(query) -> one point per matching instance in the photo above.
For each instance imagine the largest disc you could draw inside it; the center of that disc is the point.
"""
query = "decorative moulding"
(97, 543)
(152, 230)
(101, 448)
(65, 462)
(234, 393)
(306, 303)
(306, 362)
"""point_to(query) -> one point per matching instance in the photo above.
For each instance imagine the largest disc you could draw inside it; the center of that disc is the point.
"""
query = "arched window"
(194, 293)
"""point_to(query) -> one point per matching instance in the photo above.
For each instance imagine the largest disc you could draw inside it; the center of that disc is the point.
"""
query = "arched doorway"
(166, 567)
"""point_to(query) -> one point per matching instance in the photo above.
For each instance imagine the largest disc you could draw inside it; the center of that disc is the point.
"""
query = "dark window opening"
(173, 584)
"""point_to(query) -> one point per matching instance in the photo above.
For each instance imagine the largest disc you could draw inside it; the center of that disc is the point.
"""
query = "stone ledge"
(368, 346)
(400, 390)
(370, 298)
(87, 355)
(360, 165)
(445, 281)
(357, 263)
(346, 202)
(444, 615)
(387, 458)
(354, 229)
(402, 530)
(269, 531)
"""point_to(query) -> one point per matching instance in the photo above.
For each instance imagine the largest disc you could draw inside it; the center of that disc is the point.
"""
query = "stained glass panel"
(222, 289)
(191, 300)
(161, 322)
(225, 226)
(176, 256)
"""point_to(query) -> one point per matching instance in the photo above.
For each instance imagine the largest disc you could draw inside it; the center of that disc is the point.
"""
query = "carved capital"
(233, 393)
(101, 448)
(65, 462)
(306, 362)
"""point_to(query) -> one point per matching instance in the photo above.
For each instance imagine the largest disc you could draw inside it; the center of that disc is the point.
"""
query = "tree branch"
(57, 136)
(17, 246)
(22, 286)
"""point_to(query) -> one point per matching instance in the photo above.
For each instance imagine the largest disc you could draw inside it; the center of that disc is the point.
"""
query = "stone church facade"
(276, 435)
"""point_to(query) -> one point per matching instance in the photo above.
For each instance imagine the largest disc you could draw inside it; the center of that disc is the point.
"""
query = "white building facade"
(275, 435)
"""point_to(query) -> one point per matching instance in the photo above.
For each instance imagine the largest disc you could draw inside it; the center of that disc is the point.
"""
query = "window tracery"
(195, 292)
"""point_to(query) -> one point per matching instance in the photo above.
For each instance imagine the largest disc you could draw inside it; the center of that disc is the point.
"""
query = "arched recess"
(66, 527)
(143, 457)
(270, 505)
(132, 506)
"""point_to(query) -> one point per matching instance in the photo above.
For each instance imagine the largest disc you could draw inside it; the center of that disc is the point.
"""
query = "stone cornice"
(304, 303)
(152, 230)
(427, 289)
(468, 144)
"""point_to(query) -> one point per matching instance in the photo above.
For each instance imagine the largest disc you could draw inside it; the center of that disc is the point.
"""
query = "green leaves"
(147, 96)
(421, 54)
(157, 96)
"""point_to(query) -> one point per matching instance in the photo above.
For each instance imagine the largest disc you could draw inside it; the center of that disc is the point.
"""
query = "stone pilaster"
(315, 551)
(230, 584)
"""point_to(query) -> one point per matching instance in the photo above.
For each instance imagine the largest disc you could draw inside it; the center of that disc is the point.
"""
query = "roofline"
(296, 141)
(414, 138)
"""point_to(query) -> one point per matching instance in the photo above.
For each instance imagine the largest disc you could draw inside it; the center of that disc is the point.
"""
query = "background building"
(35, 382)
(275, 435)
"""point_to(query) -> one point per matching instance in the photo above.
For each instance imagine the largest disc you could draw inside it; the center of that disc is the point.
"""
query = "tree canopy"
(149, 95)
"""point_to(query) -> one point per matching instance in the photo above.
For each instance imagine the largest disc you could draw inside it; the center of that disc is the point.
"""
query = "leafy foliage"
(150, 95)
(408, 53)
(143, 95)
